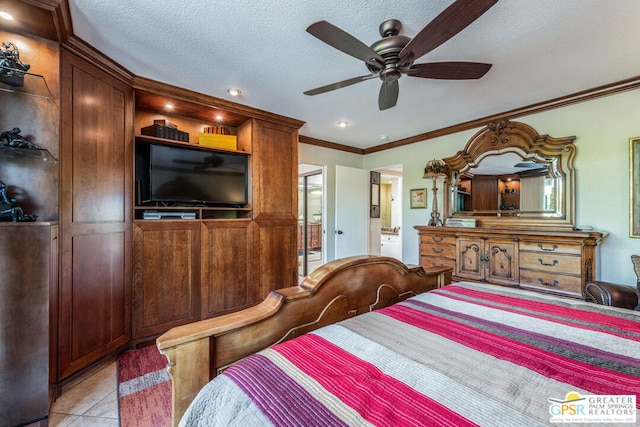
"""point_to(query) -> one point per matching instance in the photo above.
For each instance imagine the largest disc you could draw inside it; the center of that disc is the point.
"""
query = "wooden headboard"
(338, 290)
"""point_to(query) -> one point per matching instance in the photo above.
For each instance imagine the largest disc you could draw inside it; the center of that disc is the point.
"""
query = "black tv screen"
(183, 175)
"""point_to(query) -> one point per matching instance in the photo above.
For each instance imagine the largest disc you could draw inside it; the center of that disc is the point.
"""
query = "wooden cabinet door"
(96, 164)
(493, 260)
(501, 261)
(167, 276)
(26, 250)
(470, 258)
(484, 195)
(275, 256)
(274, 163)
(227, 267)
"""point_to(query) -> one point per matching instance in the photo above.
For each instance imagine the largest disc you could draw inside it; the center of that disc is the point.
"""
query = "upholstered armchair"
(616, 295)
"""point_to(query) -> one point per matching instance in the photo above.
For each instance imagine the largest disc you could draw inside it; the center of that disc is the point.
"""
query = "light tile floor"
(92, 402)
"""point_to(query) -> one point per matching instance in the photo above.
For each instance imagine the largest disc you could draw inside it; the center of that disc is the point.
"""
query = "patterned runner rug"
(144, 389)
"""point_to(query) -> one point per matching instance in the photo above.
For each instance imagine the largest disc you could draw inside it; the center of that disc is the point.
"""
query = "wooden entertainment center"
(123, 280)
(227, 258)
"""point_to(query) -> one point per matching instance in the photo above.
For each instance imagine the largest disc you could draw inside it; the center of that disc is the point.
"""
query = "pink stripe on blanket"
(591, 320)
(379, 398)
(569, 371)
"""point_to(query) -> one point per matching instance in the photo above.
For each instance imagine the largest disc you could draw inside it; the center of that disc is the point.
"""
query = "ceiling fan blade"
(345, 42)
(444, 26)
(338, 85)
(449, 70)
(388, 95)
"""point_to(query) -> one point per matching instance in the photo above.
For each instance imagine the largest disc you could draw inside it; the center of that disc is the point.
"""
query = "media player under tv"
(150, 214)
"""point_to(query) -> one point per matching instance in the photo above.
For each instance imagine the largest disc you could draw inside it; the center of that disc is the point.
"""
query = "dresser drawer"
(435, 250)
(428, 262)
(438, 239)
(545, 247)
(550, 263)
(556, 283)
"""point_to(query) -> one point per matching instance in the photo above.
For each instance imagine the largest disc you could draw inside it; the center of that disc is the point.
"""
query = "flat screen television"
(184, 176)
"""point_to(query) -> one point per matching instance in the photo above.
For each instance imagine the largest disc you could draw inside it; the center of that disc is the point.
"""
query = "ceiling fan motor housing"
(389, 48)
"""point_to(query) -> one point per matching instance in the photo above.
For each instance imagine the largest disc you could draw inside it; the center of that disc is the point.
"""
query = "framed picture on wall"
(634, 187)
(418, 197)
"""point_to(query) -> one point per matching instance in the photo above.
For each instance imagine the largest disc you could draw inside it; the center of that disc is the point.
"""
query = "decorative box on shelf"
(227, 142)
(166, 132)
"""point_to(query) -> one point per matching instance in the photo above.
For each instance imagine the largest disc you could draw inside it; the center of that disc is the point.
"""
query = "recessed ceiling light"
(234, 92)
(218, 117)
(169, 106)
(343, 124)
(384, 137)
(6, 16)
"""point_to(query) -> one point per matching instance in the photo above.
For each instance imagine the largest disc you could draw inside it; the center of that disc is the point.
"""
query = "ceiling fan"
(393, 55)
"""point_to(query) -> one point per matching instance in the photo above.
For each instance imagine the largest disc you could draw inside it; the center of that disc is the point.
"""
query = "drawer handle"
(555, 282)
(555, 261)
(438, 239)
(553, 248)
(437, 252)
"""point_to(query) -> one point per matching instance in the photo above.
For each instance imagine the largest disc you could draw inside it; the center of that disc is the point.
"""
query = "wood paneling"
(27, 251)
(96, 295)
(41, 18)
(167, 279)
(97, 163)
(227, 266)
(275, 250)
(275, 169)
(96, 157)
(485, 193)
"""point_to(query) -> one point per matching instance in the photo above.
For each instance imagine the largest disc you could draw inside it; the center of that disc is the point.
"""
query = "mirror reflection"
(508, 185)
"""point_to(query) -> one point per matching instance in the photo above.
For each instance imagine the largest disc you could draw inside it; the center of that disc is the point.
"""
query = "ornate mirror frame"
(497, 138)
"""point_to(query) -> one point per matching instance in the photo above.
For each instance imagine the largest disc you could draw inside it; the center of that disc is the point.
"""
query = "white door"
(352, 211)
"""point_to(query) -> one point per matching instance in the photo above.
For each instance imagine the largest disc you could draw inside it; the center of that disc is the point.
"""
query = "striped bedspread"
(465, 354)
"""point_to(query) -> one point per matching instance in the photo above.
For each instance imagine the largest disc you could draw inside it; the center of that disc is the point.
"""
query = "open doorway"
(310, 218)
(391, 212)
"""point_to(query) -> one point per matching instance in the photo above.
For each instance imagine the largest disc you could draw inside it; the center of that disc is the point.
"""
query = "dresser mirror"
(509, 175)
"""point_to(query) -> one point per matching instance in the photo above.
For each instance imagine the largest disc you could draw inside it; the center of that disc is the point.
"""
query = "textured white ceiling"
(540, 49)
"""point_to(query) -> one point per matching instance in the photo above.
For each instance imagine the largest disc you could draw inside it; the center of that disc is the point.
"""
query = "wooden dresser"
(555, 261)
(510, 220)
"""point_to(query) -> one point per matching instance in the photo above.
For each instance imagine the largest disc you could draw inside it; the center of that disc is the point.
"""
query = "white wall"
(602, 126)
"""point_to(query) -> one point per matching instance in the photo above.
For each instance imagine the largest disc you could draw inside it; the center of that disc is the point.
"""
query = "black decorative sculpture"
(11, 68)
(8, 210)
(12, 138)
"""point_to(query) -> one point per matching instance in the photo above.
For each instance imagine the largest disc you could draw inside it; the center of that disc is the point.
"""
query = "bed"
(462, 354)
